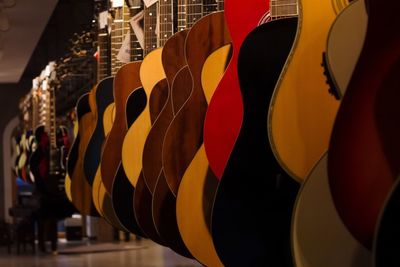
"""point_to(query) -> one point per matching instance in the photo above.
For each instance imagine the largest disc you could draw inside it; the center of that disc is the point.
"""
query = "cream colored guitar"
(319, 238)
(345, 41)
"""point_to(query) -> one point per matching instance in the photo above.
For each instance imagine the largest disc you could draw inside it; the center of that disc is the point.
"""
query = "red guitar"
(364, 151)
(225, 111)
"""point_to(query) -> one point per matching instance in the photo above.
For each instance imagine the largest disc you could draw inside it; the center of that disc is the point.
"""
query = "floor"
(144, 253)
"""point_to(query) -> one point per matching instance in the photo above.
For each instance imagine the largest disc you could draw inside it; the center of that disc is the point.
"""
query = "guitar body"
(345, 41)
(101, 197)
(254, 198)
(126, 81)
(319, 237)
(71, 159)
(198, 184)
(364, 147)
(173, 60)
(142, 199)
(123, 190)
(151, 72)
(162, 203)
(302, 111)
(185, 133)
(225, 110)
(81, 191)
(387, 232)
(104, 97)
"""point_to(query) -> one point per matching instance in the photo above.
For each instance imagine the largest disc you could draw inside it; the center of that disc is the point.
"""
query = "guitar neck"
(284, 8)
(103, 66)
(150, 25)
(194, 11)
(166, 21)
(117, 36)
(136, 49)
(210, 6)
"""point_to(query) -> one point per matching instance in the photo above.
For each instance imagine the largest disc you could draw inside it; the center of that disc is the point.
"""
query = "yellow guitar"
(198, 185)
(302, 111)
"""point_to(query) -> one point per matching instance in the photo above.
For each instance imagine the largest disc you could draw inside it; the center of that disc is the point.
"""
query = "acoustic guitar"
(345, 41)
(255, 197)
(225, 110)
(101, 105)
(164, 201)
(301, 111)
(363, 151)
(198, 185)
(319, 237)
(155, 88)
(81, 191)
(125, 83)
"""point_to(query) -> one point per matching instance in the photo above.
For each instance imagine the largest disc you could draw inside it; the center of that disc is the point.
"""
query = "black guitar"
(254, 200)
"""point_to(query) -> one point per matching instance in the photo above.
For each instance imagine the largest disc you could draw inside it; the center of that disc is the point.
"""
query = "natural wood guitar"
(198, 185)
(364, 147)
(301, 114)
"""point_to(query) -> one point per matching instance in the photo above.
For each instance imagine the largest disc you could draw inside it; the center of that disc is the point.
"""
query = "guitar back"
(364, 147)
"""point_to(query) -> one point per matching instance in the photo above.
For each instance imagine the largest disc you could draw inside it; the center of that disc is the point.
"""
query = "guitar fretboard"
(103, 67)
(283, 9)
(150, 24)
(194, 11)
(210, 6)
(136, 49)
(166, 23)
(181, 14)
(117, 35)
